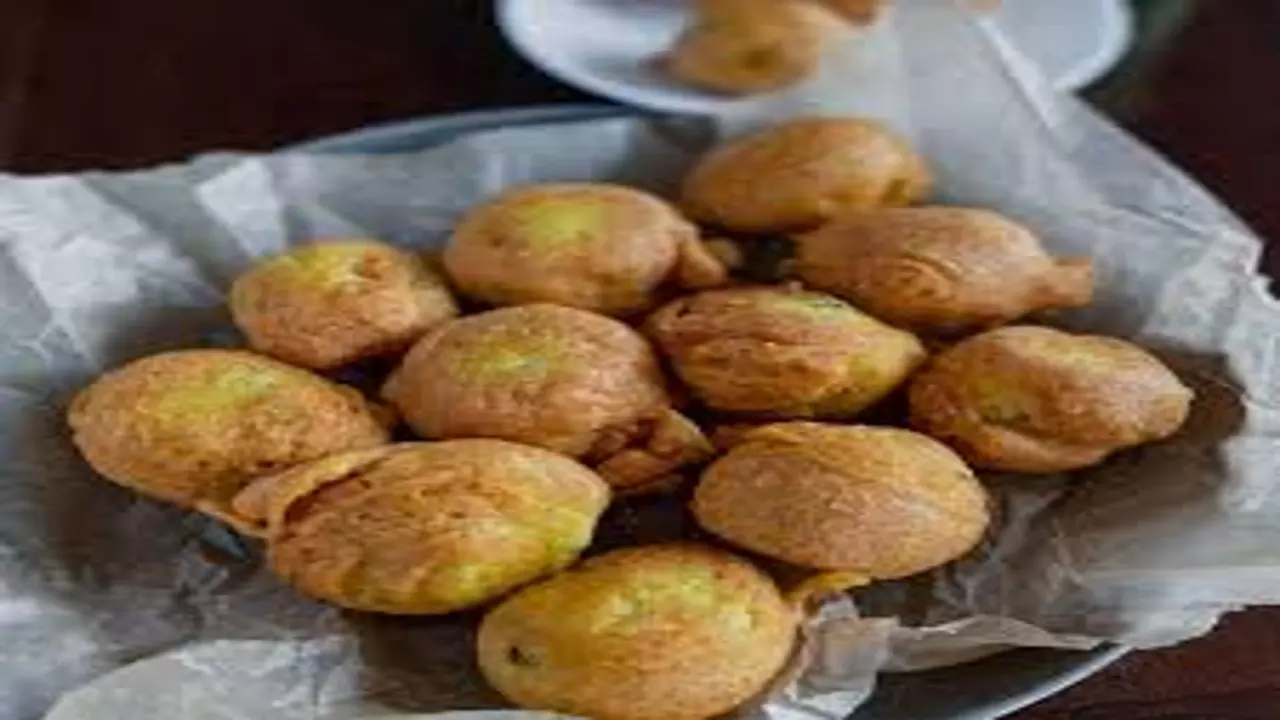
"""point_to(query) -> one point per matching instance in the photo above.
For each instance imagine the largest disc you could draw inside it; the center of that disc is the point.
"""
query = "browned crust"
(1039, 400)
(133, 427)
(940, 270)
(424, 528)
(634, 245)
(800, 174)
(390, 299)
(881, 502)
(613, 640)
(782, 351)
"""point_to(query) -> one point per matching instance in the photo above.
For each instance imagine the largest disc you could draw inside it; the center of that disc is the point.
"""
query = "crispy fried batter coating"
(666, 632)
(329, 304)
(425, 528)
(605, 248)
(741, 47)
(1038, 400)
(194, 426)
(861, 12)
(879, 501)
(940, 270)
(782, 351)
(803, 173)
(565, 379)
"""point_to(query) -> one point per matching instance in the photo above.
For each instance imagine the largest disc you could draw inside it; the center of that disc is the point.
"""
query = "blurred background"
(129, 83)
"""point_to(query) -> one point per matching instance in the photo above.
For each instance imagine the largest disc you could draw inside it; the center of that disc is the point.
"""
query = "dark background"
(127, 83)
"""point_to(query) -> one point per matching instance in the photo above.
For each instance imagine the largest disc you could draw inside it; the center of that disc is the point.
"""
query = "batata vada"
(665, 632)
(940, 270)
(194, 426)
(605, 248)
(741, 47)
(1038, 400)
(877, 501)
(861, 12)
(424, 528)
(555, 377)
(803, 173)
(329, 304)
(782, 351)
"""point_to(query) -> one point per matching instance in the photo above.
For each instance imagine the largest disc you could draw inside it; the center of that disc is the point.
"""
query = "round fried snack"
(194, 426)
(861, 12)
(940, 270)
(328, 304)
(739, 47)
(879, 501)
(1038, 400)
(798, 175)
(424, 528)
(782, 352)
(564, 379)
(664, 632)
(599, 247)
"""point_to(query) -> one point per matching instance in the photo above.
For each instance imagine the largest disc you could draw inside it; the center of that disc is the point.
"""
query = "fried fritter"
(665, 632)
(1038, 400)
(560, 378)
(194, 426)
(800, 174)
(740, 47)
(940, 270)
(605, 248)
(329, 304)
(425, 528)
(877, 501)
(861, 12)
(782, 352)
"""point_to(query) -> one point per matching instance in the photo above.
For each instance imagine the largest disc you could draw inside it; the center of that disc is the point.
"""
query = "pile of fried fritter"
(577, 343)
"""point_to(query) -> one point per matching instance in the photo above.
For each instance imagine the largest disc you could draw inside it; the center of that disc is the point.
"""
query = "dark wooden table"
(128, 83)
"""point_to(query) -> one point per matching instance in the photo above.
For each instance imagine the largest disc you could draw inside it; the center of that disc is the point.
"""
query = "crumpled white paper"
(1147, 550)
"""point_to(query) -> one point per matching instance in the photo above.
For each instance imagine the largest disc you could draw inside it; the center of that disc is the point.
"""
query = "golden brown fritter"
(782, 351)
(878, 501)
(940, 270)
(599, 247)
(1039, 400)
(740, 47)
(334, 302)
(194, 426)
(862, 12)
(565, 379)
(424, 528)
(801, 174)
(666, 632)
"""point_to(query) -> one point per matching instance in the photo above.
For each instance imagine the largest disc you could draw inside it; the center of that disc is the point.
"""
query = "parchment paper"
(1149, 549)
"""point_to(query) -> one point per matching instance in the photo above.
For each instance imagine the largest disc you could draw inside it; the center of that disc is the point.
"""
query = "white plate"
(607, 46)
